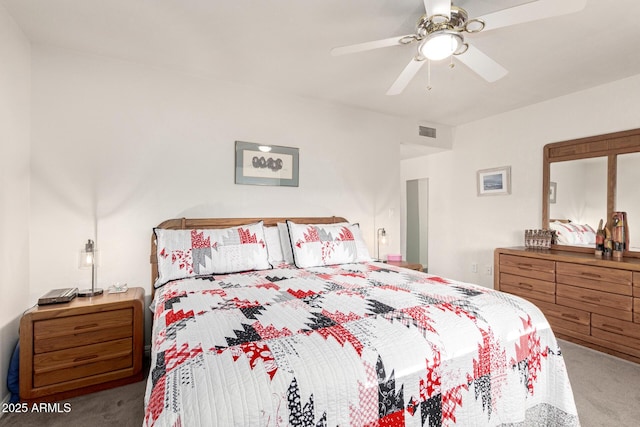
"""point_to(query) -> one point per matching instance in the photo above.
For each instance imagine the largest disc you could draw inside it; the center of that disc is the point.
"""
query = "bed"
(325, 336)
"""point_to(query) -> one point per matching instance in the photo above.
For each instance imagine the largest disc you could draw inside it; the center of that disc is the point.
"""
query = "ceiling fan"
(440, 34)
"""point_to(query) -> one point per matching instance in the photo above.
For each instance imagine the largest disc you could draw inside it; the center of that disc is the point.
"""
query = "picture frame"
(553, 189)
(494, 182)
(262, 164)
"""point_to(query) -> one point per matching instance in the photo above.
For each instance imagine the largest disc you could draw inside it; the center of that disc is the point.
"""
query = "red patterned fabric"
(363, 344)
(190, 253)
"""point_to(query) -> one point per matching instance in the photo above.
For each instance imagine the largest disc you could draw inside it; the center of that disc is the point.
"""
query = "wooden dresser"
(589, 301)
(85, 345)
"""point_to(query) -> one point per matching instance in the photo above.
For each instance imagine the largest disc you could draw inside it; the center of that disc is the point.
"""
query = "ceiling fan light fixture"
(441, 44)
(474, 26)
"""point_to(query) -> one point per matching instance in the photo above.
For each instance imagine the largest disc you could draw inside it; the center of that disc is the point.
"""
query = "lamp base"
(90, 292)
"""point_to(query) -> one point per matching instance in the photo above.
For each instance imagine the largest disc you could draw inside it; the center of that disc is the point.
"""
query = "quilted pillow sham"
(316, 245)
(189, 253)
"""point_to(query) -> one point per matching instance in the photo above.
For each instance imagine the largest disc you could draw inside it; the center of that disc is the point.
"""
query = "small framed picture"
(553, 188)
(261, 164)
(494, 182)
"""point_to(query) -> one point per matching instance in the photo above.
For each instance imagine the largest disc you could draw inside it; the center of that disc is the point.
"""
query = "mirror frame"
(607, 145)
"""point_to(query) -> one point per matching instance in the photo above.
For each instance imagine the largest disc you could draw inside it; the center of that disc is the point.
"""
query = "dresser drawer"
(636, 284)
(598, 278)
(567, 314)
(73, 331)
(530, 267)
(608, 304)
(77, 362)
(622, 333)
(566, 318)
(616, 326)
(528, 287)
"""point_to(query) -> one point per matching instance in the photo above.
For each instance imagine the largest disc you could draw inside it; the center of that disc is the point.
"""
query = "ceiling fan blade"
(482, 65)
(438, 7)
(405, 76)
(528, 12)
(361, 47)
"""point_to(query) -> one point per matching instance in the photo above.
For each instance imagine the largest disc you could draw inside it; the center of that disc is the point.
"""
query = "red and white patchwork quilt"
(363, 344)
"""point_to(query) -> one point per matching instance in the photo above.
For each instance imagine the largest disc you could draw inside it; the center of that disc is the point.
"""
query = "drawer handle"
(79, 327)
(525, 265)
(83, 358)
(525, 285)
(570, 316)
(615, 328)
(594, 299)
(594, 275)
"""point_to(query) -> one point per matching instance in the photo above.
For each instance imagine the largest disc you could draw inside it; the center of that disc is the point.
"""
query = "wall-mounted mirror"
(627, 200)
(577, 195)
(585, 180)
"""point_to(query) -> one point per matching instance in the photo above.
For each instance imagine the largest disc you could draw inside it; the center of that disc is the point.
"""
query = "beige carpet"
(121, 407)
(606, 390)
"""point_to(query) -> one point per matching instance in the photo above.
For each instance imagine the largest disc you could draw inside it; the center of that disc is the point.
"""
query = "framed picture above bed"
(259, 164)
(494, 182)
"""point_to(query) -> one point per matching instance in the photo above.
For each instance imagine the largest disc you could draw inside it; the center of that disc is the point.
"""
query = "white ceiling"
(284, 45)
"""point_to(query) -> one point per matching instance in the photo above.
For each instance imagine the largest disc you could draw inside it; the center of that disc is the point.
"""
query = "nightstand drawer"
(74, 331)
(69, 364)
(82, 346)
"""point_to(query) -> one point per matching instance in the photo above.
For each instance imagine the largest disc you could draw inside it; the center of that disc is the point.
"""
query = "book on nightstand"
(56, 296)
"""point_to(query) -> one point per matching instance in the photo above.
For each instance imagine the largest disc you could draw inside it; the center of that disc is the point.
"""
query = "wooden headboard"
(200, 223)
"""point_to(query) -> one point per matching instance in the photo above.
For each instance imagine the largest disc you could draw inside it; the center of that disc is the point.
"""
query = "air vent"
(427, 131)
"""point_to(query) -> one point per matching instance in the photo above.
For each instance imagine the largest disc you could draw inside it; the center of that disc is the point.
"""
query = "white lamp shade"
(87, 259)
(89, 255)
(440, 45)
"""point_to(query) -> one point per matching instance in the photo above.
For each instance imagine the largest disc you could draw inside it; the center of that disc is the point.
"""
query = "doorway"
(417, 221)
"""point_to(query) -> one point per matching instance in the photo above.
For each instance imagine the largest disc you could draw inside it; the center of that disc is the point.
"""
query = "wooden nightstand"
(86, 345)
(404, 264)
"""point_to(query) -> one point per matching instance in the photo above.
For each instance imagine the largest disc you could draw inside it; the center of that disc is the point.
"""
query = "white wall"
(15, 75)
(465, 228)
(119, 147)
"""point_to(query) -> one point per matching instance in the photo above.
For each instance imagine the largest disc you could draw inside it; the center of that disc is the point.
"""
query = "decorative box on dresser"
(587, 300)
(85, 345)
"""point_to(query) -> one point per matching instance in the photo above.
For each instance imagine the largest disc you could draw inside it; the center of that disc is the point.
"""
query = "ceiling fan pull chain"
(428, 74)
(451, 63)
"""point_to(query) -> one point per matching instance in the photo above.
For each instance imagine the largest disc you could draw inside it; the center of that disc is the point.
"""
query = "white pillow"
(564, 232)
(287, 251)
(285, 243)
(584, 234)
(361, 246)
(274, 247)
(189, 253)
(322, 244)
(570, 233)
